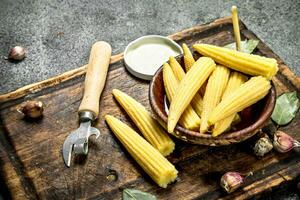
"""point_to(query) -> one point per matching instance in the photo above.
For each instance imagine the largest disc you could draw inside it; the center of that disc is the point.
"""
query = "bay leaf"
(133, 194)
(286, 108)
(247, 46)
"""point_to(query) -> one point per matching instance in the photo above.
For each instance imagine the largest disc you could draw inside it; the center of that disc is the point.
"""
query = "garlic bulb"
(17, 53)
(231, 181)
(262, 146)
(284, 142)
(32, 109)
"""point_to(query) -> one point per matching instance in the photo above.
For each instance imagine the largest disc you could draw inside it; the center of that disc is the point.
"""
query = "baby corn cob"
(237, 119)
(176, 68)
(214, 90)
(148, 126)
(236, 79)
(187, 57)
(239, 61)
(188, 87)
(247, 94)
(149, 158)
(197, 102)
(202, 89)
(189, 118)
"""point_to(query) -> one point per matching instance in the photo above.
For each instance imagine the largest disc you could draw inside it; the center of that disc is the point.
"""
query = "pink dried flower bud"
(231, 181)
(284, 142)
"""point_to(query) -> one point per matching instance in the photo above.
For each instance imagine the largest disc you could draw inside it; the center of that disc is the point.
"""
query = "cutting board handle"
(95, 77)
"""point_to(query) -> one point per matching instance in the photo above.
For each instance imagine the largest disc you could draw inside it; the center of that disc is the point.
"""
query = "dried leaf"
(285, 108)
(132, 194)
(247, 46)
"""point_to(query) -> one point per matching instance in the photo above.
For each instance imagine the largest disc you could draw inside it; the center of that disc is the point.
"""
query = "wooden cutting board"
(30, 151)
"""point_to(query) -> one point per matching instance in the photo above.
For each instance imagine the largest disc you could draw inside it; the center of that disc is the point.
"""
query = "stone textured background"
(59, 33)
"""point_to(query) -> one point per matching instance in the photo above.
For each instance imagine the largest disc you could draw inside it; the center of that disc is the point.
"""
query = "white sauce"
(148, 57)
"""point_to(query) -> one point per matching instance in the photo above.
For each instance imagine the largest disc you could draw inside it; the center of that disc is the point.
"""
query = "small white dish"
(146, 54)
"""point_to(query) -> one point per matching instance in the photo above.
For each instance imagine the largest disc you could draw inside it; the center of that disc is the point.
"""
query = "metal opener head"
(78, 140)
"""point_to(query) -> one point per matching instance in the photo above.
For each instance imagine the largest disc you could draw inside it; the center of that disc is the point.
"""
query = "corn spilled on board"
(197, 102)
(239, 61)
(214, 90)
(148, 126)
(236, 79)
(189, 118)
(149, 158)
(188, 87)
(187, 57)
(247, 94)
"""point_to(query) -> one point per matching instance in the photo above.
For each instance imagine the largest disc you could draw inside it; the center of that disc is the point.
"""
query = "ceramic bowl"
(253, 118)
(141, 47)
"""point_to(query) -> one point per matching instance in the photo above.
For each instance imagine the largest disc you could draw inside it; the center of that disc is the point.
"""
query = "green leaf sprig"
(132, 194)
(247, 46)
(286, 108)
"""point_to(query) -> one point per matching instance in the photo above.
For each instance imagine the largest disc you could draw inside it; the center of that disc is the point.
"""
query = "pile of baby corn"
(206, 97)
(203, 96)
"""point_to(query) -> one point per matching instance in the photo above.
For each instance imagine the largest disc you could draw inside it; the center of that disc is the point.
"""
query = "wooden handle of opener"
(95, 77)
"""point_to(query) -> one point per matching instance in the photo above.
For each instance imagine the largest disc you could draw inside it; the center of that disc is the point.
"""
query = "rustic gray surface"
(59, 34)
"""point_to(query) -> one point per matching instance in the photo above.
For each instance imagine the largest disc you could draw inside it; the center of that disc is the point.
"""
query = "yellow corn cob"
(237, 119)
(149, 158)
(247, 94)
(239, 61)
(214, 90)
(187, 57)
(202, 89)
(148, 126)
(188, 87)
(197, 102)
(162, 123)
(189, 118)
(236, 79)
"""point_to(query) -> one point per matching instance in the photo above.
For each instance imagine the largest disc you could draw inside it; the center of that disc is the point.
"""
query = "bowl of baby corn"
(214, 95)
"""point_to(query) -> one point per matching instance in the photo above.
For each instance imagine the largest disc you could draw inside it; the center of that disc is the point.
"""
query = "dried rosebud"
(32, 109)
(263, 146)
(17, 53)
(231, 181)
(284, 142)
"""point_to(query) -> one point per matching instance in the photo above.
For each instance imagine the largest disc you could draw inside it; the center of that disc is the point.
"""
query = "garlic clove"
(263, 146)
(283, 142)
(32, 109)
(231, 181)
(17, 53)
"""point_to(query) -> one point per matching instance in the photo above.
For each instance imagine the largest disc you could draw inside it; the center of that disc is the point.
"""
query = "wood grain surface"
(31, 165)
